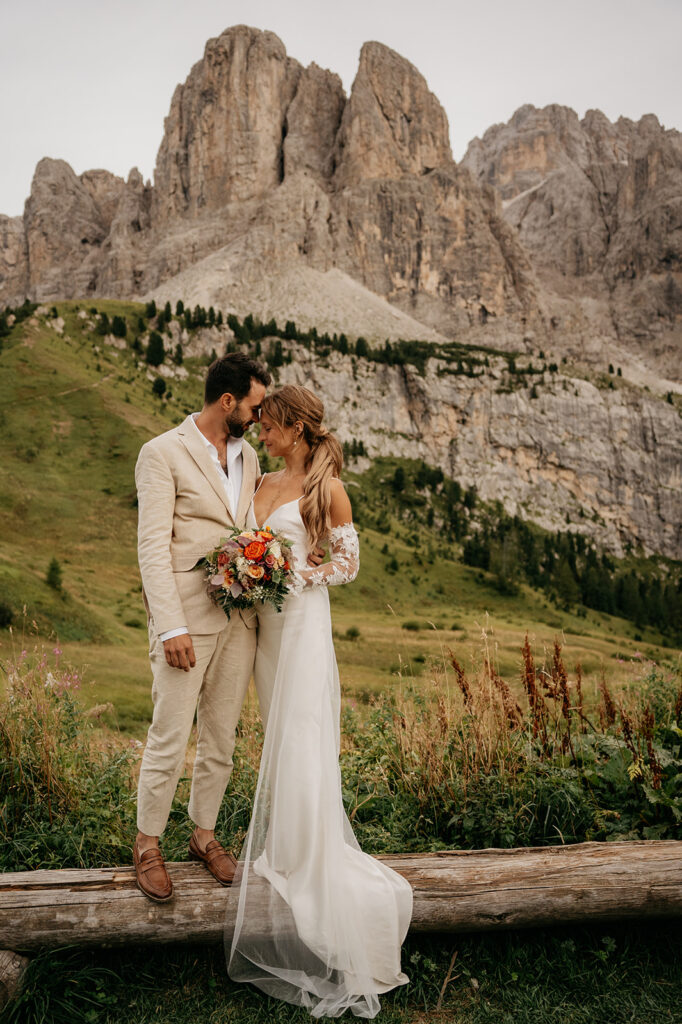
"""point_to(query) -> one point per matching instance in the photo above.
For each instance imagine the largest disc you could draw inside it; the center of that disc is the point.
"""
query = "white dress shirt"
(232, 485)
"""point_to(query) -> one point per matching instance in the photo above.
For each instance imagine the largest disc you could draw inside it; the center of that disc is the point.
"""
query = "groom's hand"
(179, 651)
(315, 557)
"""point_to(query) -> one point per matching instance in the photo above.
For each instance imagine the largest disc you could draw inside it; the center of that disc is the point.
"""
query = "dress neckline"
(272, 510)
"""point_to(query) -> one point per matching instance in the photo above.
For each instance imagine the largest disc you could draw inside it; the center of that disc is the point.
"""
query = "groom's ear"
(227, 401)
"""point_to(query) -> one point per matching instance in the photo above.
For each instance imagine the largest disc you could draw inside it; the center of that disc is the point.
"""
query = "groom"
(193, 483)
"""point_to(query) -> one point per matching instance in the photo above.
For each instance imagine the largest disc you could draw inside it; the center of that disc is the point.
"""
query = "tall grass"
(467, 763)
(65, 791)
(464, 759)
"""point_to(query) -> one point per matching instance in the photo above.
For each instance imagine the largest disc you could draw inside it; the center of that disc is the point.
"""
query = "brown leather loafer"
(151, 874)
(219, 862)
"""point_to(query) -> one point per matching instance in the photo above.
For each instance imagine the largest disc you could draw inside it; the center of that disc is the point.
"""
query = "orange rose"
(254, 550)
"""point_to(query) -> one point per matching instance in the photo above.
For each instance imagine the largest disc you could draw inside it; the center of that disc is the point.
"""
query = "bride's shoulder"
(340, 510)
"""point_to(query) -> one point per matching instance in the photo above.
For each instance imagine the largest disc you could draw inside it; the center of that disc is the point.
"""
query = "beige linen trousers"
(183, 514)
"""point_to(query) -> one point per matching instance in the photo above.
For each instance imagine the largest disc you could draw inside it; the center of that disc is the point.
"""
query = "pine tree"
(564, 582)
(150, 310)
(119, 328)
(470, 497)
(275, 355)
(156, 353)
(628, 600)
(159, 387)
(54, 575)
(179, 307)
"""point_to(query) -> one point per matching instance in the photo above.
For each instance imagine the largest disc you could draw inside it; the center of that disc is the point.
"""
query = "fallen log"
(454, 891)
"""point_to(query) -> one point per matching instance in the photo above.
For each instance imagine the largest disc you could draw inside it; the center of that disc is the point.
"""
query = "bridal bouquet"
(248, 566)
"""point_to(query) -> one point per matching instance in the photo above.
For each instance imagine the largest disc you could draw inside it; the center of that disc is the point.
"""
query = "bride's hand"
(315, 557)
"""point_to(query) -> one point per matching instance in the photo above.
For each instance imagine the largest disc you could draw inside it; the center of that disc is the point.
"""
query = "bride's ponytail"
(325, 463)
(287, 405)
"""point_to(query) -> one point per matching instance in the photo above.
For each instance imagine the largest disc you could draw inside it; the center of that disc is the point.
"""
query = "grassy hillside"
(74, 410)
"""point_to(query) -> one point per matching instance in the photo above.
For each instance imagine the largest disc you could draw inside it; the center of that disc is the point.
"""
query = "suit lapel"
(189, 436)
(248, 482)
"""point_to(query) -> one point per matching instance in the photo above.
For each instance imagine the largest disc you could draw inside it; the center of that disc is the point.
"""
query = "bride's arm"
(344, 547)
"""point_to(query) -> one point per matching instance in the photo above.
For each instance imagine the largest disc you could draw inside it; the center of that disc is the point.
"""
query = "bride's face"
(277, 440)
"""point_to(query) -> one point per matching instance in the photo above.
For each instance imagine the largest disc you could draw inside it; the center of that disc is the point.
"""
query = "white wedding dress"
(311, 918)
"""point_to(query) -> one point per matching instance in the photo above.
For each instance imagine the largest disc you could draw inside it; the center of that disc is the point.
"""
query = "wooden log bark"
(454, 891)
(12, 970)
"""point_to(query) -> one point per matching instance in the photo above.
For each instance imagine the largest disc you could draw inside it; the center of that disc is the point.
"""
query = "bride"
(311, 918)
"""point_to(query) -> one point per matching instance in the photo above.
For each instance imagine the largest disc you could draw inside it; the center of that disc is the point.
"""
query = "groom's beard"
(235, 427)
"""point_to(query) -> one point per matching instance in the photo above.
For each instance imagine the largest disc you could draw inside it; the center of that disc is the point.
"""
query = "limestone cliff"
(554, 233)
(599, 208)
(392, 126)
(602, 462)
(271, 168)
(552, 446)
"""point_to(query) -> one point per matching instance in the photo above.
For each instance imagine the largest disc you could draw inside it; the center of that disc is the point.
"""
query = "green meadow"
(74, 411)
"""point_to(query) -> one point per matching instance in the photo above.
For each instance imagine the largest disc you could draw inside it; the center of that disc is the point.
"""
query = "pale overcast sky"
(91, 82)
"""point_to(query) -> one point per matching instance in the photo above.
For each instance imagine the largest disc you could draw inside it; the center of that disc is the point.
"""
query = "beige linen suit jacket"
(183, 514)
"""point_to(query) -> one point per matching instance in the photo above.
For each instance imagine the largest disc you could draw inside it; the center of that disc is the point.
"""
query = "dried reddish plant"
(561, 681)
(511, 708)
(535, 698)
(607, 706)
(462, 681)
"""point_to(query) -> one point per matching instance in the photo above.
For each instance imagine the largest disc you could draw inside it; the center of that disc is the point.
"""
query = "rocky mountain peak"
(553, 232)
(595, 201)
(223, 136)
(392, 126)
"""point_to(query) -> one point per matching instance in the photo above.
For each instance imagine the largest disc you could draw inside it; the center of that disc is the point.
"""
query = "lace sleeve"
(344, 548)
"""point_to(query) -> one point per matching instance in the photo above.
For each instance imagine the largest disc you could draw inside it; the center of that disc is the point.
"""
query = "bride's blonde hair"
(286, 406)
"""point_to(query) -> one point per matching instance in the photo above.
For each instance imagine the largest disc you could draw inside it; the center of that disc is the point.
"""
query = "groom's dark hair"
(233, 374)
